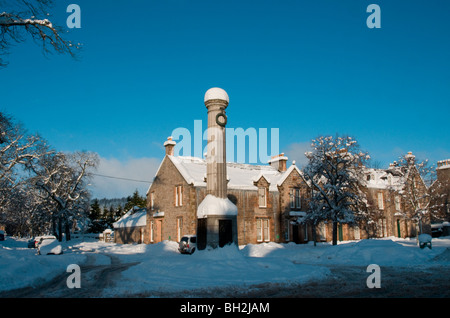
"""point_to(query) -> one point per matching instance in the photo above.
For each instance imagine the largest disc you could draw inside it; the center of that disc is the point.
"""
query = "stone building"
(273, 199)
(269, 198)
(440, 192)
(132, 227)
(263, 203)
(398, 200)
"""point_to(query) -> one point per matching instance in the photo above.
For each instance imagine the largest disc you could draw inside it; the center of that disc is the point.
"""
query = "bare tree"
(30, 18)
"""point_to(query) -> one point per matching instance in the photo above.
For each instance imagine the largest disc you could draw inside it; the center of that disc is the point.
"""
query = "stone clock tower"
(216, 214)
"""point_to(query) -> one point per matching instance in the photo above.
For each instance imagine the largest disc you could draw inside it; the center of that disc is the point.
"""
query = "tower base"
(216, 231)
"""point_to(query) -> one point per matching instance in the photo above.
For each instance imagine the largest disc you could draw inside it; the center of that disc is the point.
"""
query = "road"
(345, 282)
(94, 279)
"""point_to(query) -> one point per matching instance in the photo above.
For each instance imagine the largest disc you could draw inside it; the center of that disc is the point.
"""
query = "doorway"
(201, 234)
(225, 232)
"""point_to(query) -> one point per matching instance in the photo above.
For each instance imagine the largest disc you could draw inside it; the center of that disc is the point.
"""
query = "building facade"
(268, 198)
(273, 199)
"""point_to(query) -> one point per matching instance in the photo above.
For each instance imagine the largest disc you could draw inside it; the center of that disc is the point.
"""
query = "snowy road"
(268, 270)
(346, 282)
(94, 280)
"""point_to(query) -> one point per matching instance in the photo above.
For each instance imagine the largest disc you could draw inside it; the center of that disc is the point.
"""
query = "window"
(382, 228)
(294, 198)
(322, 231)
(179, 228)
(297, 198)
(380, 201)
(152, 200)
(291, 198)
(262, 230)
(287, 233)
(397, 203)
(357, 232)
(178, 195)
(151, 231)
(262, 197)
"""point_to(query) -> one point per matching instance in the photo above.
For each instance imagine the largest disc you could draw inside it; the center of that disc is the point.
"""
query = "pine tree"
(95, 212)
(135, 200)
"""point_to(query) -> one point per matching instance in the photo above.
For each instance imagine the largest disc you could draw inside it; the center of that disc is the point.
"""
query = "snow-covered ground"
(160, 268)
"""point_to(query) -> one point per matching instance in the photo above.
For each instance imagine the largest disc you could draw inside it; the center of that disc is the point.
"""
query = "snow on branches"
(335, 173)
(24, 18)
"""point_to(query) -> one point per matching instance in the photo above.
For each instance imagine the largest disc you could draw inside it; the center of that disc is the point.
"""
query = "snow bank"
(161, 268)
(20, 266)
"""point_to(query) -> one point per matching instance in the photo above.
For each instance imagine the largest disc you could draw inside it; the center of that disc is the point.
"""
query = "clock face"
(221, 119)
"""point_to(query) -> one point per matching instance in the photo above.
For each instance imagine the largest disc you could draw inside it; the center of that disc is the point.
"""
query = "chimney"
(443, 171)
(410, 158)
(279, 162)
(169, 144)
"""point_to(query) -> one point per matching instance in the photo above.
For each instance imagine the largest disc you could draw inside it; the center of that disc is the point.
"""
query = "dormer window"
(380, 201)
(262, 197)
(152, 200)
(294, 198)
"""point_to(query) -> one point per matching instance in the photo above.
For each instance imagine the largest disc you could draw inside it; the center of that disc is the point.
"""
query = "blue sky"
(308, 68)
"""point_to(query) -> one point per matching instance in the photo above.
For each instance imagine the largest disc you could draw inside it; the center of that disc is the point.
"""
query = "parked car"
(50, 246)
(32, 243)
(35, 241)
(188, 244)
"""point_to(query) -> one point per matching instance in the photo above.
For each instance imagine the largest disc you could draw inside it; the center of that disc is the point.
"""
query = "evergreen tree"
(95, 212)
(135, 200)
(97, 223)
(119, 212)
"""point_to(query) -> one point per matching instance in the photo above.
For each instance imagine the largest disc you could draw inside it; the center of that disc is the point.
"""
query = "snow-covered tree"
(17, 148)
(335, 173)
(63, 178)
(416, 176)
(20, 19)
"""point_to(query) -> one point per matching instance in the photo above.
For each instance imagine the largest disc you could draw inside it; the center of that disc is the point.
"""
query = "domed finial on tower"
(216, 93)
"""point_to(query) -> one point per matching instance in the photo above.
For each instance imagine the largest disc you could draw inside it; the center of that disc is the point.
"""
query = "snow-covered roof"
(391, 178)
(241, 176)
(134, 217)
